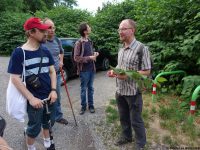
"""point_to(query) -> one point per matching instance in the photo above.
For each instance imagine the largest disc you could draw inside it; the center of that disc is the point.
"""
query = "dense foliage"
(31, 6)
(66, 20)
(169, 27)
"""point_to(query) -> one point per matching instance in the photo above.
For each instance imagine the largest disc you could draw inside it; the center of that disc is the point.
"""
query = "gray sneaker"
(82, 111)
(91, 109)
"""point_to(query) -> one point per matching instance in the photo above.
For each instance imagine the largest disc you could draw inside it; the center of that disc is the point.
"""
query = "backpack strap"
(140, 56)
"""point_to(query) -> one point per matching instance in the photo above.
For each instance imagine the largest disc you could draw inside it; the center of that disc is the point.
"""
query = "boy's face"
(88, 31)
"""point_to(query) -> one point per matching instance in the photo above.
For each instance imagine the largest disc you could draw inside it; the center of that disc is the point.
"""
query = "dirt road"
(67, 137)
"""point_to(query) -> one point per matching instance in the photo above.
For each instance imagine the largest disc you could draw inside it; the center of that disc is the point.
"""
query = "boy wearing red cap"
(38, 62)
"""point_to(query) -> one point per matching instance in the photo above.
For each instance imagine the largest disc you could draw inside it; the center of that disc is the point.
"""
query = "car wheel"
(66, 76)
(105, 64)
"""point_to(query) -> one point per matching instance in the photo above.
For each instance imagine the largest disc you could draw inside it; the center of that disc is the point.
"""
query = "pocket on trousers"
(138, 102)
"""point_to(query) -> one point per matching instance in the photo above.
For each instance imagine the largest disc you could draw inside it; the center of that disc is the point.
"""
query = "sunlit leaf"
(161, 79)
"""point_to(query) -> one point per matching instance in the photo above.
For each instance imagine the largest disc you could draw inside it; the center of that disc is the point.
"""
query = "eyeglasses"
(123, 29)
(52, 28)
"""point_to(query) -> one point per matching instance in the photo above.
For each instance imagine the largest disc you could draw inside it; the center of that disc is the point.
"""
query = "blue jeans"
(87, 79)
(58, 111)
(38, 118)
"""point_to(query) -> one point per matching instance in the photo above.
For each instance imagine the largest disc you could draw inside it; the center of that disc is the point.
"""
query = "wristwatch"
(52, 89)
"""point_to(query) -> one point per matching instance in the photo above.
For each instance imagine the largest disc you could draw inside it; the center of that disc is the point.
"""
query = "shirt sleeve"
(60, 46)
(15, 65)
(146, 59)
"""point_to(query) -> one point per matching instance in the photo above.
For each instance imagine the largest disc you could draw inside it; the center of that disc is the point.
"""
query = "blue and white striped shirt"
(32, 64)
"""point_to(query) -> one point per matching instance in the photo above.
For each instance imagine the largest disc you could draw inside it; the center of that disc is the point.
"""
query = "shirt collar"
(131, 45)
(51, 40)
(83, 40)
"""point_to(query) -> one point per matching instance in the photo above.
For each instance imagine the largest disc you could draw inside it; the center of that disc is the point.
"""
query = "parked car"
(103, 60)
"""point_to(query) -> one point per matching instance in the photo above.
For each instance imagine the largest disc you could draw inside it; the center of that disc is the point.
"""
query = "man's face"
(51, 30)
(40, 35)
(126, 32)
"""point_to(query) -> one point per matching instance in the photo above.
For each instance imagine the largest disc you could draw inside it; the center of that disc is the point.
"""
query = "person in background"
(85, 58)
(3, 144)
(128, 96)
(39, 64)
(54, 45)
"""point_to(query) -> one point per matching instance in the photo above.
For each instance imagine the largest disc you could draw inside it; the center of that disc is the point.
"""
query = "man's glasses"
(123, 29)
(52, 28)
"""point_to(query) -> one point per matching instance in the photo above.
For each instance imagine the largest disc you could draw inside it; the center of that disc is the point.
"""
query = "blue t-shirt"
(32, 63)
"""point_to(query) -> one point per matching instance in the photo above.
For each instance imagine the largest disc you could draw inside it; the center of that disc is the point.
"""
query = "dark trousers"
(130, 110)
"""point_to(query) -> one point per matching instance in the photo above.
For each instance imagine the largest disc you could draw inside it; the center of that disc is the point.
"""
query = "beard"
(44, 39)
(122, 38)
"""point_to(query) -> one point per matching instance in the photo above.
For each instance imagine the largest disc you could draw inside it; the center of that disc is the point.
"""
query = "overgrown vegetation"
(169, 27)
(166, 122)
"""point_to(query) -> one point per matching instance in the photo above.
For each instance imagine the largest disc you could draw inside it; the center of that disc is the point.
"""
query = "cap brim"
(43, 27)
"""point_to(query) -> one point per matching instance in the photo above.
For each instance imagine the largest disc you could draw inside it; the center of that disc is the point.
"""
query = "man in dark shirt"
(85, 58)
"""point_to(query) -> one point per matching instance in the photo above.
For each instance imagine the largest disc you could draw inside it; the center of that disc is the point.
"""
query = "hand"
(96, 54)
(111, 73)
(93, 58)
(36, 103)
(122, 76)
(61, 64)
(52, 96)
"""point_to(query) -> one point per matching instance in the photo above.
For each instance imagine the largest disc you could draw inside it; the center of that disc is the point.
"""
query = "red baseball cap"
(35, 22)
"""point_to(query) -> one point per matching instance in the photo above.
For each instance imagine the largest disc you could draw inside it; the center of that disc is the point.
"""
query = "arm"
(144, 72)
(35, 102)
(4, 145)
(77, 54)
(146, 62)
(61, 56)
(53, 94)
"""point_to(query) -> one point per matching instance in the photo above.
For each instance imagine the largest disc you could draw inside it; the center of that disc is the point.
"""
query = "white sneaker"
(47, 142)
(31, 147)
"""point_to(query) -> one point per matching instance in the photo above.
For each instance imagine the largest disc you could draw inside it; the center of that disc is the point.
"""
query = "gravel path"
(82, 137)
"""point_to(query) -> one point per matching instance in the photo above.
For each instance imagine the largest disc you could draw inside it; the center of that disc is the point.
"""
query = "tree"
(68, 3)
(10, 5)
(44, 5)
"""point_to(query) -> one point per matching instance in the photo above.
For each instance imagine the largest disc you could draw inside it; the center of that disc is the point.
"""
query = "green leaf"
(117, 70)
(161, 79)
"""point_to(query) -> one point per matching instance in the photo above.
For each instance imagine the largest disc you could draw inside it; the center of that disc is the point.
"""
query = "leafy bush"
(189, 85)
(11, 29)
(67, 20)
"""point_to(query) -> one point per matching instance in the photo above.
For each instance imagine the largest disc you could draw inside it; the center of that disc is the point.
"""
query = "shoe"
(91, 109)
(137, 147)
(122, 141)
(47, 142)
(82, 111)
(62, 121)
